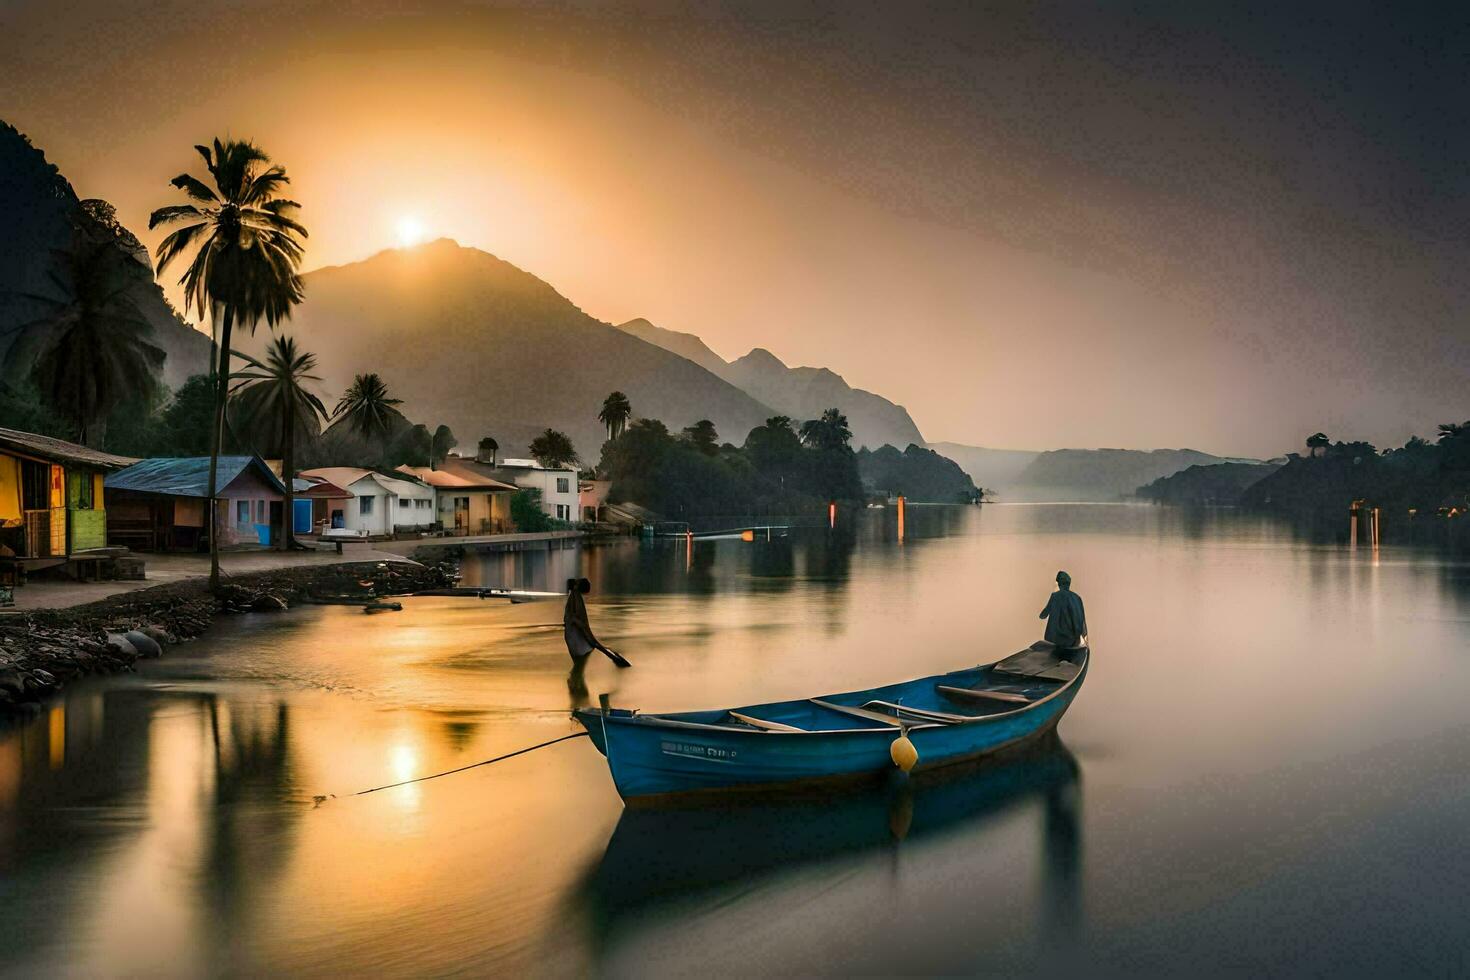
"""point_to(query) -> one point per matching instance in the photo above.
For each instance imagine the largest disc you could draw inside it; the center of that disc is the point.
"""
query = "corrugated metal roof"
(186, 476)
(60, 450)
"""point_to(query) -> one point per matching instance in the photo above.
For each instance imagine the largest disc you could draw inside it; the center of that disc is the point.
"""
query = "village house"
(51, 501)
(159, 504)
(378, 504)
(468, 502)
(557, 486)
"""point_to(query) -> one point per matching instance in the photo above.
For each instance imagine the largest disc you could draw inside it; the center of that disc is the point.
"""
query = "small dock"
(488, 543)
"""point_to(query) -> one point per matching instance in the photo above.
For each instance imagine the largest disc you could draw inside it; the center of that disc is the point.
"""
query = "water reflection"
(162, 824)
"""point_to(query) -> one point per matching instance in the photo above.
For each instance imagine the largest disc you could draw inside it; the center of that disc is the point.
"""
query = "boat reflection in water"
(661, 862)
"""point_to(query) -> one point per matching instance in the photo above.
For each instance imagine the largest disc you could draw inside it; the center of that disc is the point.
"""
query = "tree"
(489, 447)
(774, 447)
(247, 252)
(91, 350)
(831, 431)
(272, 394)
(366, 408)
(616, 410)
(702, 436)
(1317, 444)
(439, 446)
(553, 448)
(526, 513)
(411, 445)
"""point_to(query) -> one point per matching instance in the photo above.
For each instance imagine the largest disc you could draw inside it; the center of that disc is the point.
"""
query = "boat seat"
(864, 713)
(971, 694)
(770, 726)
(924, 713)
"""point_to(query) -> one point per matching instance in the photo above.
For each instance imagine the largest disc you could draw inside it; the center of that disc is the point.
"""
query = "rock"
(12, 681)
(121, 645)
(268, 602)
(157, 634)
(144, 644)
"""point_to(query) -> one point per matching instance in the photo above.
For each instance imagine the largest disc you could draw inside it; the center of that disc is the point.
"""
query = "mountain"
(471, 341)
(1220, 483)
(993, 469)
(1103, 474)
(41, 213)
(686, 345)
(802, 392)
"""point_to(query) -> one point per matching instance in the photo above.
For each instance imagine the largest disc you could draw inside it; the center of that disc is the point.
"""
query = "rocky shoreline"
(43, 650)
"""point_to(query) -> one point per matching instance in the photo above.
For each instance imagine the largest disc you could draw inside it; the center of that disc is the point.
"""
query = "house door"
(462, 514)
(36, 506)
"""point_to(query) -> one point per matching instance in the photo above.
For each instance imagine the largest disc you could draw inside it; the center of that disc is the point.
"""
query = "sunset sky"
(1034, 225)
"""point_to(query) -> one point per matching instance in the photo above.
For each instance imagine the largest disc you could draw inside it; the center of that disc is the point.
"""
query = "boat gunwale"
(659, 721)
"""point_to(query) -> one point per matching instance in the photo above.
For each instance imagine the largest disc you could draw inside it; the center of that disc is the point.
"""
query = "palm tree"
(367, 409)
(244, 267)
(272, 394)
(831, 431)
(90, 350)
(615, 413)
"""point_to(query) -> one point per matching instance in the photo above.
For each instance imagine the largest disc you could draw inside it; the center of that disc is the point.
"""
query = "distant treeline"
(777, 470)
(1420, 489)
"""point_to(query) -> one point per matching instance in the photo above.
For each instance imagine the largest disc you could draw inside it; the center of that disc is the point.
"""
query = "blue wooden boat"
(947, 718)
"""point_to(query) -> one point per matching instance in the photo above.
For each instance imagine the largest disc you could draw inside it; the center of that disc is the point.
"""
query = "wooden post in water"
(831, 514)
(900, 518)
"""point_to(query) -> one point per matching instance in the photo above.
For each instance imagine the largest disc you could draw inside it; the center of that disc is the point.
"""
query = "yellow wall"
(9, 490)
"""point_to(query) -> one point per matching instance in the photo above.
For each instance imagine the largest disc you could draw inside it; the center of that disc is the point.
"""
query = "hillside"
(40, 213)
(994, 469)
(1217, 484)
(471, 341)
(801, 392)
(1102, 474)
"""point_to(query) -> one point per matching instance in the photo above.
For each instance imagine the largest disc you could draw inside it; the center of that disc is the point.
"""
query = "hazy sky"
(1217, 225)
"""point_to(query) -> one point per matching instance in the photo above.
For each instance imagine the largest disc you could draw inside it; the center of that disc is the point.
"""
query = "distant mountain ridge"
(1084, 475)
(1105, 474)
(40, 210)
(469, 340)
(800, 392)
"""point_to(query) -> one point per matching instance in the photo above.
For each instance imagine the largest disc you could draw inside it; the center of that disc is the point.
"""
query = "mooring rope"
(450, 772)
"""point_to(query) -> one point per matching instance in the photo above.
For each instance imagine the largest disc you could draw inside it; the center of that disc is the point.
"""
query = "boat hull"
(652, 758)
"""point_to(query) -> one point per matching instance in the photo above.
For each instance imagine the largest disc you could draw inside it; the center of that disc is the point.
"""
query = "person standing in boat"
(1066, 620)
(577, 629)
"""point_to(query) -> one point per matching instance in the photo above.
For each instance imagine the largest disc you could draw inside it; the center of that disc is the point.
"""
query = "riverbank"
(41, 650)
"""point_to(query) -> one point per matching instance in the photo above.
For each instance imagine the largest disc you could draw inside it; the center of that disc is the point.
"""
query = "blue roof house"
(159, 504)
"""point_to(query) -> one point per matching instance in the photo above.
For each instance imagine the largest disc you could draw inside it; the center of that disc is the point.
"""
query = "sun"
(410, 231)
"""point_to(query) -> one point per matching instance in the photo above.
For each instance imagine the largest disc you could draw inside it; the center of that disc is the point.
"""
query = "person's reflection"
(577, 683)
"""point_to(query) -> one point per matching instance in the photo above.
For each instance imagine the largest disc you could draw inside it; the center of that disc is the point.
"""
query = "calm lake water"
(1265, 772)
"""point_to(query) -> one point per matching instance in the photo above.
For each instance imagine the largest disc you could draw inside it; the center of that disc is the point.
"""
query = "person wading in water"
(1066, 620)
(578, 630)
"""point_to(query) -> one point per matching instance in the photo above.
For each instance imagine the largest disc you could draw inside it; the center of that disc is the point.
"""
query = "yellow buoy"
(905, 756)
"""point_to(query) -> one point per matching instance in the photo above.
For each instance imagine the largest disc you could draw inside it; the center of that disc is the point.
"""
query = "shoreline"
(42, 650)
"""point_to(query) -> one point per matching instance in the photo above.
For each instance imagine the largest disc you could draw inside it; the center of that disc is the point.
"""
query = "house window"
(81, 490)
(563, 512)
(242, 512)
(422, 504)
(364, 505)
(260, 512)
(404, 503)
(563, 484)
